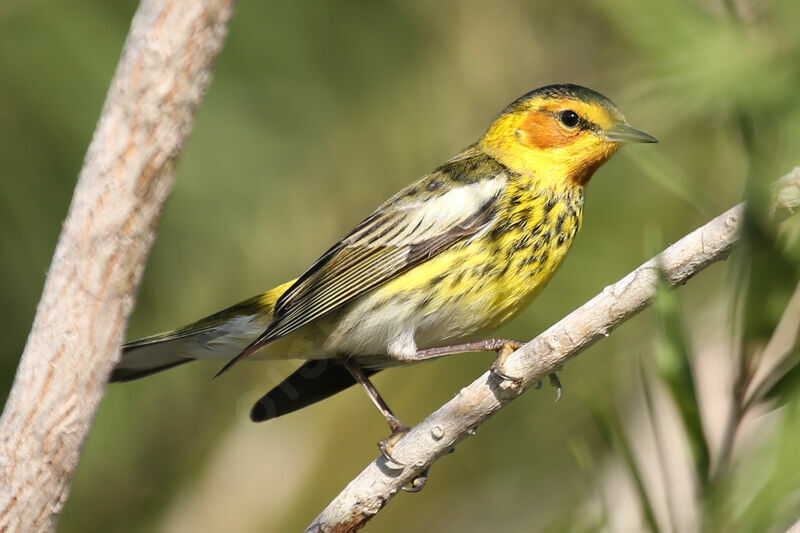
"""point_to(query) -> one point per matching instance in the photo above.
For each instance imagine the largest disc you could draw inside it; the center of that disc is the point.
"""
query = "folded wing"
(404, 232)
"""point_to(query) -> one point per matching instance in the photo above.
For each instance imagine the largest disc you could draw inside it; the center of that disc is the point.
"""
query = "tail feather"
(121, 374)
(221, 341)
(227, 333)
(147, 356)
(312, 382)
(219, 336)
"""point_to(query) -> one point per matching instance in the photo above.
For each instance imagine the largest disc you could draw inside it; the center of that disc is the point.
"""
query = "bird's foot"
(502, 354)
(386, 445)
(418, 483)
(554, 382)
(497, 368)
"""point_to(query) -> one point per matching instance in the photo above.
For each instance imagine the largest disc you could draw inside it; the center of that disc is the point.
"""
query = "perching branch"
(475, 404)
(126, 177)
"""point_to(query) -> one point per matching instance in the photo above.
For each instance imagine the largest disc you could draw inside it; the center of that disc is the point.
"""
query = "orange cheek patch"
(540, 130)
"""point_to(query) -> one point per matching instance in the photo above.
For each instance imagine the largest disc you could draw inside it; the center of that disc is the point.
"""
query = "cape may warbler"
(455, 254)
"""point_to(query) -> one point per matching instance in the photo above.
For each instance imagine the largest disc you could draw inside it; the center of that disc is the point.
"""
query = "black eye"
(569, 118)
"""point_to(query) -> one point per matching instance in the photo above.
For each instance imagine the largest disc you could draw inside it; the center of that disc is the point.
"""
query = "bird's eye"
(569, 118)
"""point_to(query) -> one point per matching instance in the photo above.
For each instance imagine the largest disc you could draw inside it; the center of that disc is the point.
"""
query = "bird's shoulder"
(470, 167)
(458, 196)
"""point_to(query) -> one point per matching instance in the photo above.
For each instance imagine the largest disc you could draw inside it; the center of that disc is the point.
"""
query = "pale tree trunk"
(126, 177)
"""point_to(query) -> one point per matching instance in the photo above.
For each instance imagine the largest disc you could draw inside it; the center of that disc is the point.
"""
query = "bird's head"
(560, 134)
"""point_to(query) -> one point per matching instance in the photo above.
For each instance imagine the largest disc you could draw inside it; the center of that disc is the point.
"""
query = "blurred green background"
(318, 111)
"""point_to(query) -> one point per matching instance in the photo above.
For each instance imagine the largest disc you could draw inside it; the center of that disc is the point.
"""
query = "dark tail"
(312, 382)
(122, 374)
(148, 356)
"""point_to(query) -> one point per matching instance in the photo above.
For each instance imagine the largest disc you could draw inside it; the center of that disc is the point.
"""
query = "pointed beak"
(622, 133)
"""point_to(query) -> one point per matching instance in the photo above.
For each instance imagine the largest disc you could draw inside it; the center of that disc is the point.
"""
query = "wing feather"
(404, 232)
(354, 270)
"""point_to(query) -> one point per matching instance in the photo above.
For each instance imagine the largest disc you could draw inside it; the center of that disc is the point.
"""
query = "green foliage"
(767, 278)
(617, 441)
(673, 361)
(740, 493)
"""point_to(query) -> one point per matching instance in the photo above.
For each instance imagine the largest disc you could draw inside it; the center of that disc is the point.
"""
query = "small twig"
(475, 404)
(785, 201)
(757, 384)
(777, 358)
(126, 177)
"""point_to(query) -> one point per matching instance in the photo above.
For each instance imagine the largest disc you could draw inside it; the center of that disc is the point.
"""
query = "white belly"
(398, 328)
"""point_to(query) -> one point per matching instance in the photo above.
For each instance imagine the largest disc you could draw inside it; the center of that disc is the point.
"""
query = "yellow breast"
(485, 281)
(467, 290)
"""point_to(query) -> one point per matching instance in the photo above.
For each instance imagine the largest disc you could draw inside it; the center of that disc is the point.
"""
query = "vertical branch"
(126, 177)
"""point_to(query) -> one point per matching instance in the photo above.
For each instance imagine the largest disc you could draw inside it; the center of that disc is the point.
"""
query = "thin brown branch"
(366, 495)
(126, 177)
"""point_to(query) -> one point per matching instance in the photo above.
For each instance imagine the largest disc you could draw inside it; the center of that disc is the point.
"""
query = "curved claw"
(503, 351)
(418, 483)
(388, 456)
(556, 382)
(500, 374)
(386, 445)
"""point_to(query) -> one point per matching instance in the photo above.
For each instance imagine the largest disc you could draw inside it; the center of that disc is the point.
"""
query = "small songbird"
(452, 256)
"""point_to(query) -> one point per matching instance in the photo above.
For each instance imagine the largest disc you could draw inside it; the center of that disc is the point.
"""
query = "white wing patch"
(438, 214)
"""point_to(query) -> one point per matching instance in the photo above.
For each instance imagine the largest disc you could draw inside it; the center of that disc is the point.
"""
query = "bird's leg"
(398, 428)
(486, 345)
(503, 348)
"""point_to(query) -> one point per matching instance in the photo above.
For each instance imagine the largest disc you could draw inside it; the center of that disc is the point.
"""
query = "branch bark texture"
(475, 404)
(126, 177)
